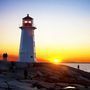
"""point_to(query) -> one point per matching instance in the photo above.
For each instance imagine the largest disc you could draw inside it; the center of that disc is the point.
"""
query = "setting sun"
(56, 61)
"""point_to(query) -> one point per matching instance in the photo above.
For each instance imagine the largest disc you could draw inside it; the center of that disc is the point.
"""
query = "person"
(12, 67)
(78, 67)
(25, 73)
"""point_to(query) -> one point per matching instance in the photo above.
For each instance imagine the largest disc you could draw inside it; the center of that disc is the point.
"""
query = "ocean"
(83, 66)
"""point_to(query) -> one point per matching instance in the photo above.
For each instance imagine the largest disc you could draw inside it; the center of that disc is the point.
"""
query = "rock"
(46, 85)
(19, 85)
(41, 76)
(3, 84)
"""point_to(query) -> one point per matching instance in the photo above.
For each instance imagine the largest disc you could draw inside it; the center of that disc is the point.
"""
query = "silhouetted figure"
(8, 86)
(25, 73)
(5, 56)
(12, 67)
(78, 67)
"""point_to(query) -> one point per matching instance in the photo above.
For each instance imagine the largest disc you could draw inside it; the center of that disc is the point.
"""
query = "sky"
(63, 28)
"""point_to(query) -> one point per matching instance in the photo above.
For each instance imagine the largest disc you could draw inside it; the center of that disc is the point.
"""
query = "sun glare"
(56, 61)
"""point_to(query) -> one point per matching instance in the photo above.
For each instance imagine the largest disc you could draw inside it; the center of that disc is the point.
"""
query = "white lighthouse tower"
(27, 43)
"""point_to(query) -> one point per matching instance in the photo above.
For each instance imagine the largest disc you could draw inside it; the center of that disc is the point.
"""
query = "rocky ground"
(42, 76)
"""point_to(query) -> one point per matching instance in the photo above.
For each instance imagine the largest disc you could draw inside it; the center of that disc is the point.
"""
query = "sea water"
(82, 66)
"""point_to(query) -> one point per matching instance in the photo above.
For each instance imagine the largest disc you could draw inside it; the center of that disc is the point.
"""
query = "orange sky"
(49, 59)
(63, 28)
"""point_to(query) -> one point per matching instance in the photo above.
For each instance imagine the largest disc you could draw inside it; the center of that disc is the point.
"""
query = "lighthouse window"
(25, 21)
(29, 21)
(31, 56)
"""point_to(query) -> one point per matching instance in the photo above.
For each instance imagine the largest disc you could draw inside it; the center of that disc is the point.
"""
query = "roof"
(28, 17)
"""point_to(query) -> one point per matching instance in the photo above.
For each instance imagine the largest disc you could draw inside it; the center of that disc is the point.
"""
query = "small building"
(5, 56)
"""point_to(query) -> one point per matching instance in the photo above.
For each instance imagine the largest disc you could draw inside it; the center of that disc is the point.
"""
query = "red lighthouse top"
(27, 17)
(27, 21)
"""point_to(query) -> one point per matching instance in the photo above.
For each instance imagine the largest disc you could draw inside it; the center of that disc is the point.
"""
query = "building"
(27, 43)
(5, 56)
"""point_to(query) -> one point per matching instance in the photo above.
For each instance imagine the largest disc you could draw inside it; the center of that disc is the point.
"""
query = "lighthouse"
(27, 43)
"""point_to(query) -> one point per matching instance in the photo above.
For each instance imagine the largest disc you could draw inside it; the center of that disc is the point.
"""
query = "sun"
(56, 61)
